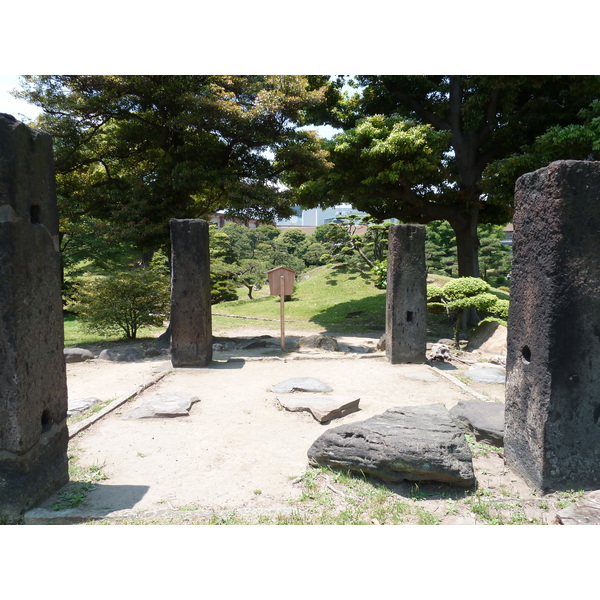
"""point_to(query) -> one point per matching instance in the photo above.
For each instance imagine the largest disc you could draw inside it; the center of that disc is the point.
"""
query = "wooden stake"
(282, 298)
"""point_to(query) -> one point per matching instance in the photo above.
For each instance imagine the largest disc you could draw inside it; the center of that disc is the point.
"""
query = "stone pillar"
(33, 383)
(191, 318)
(552, 417)
(406, 298)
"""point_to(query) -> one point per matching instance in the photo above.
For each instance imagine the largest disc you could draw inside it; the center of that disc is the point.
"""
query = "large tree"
(416, 147)
(135, 151)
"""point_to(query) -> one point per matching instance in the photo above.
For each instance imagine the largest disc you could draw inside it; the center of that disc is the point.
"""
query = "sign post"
(281, 283)
(282, 309)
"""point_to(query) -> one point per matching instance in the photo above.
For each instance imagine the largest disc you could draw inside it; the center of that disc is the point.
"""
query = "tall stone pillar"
(552, 416)
(191, 318)
(406, 298)
(33, 383)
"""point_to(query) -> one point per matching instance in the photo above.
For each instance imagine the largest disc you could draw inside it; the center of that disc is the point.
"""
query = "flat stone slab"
(163, 406)
(584, 513)
(415, 443)
(78, 405)
(323, 408)
(485, 420)
(301, 384)
(486, 373)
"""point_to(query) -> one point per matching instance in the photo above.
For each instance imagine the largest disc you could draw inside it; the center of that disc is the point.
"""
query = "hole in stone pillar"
(46, 421)
(35, 214)
(526, 355)
(409, 315)
(597, 414)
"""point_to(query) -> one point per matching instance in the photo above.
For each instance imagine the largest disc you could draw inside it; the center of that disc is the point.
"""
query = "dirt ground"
(239, 451)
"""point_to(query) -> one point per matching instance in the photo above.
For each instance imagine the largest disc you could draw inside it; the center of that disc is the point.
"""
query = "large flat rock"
(416, 443)
(323, 408)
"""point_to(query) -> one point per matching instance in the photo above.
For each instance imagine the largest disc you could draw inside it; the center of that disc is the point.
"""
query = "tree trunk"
(467, 244)
(467, 247)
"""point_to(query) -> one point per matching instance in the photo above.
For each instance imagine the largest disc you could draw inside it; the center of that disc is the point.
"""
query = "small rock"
(323, 408)
(301, 384)
(321, 342)
(439, 352)
(77, 355)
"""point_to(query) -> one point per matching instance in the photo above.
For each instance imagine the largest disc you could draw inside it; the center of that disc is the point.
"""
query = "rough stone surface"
(583, 513)
(33, 385)
(406, 297)
(162, 406)
(301, 384)
(323, 408)
(485, 420)
(486, 373)
(552, 429)
(417, 443)
(73, 355)
(488, 337)
(321, 342)
(191, 316)
(439, 352)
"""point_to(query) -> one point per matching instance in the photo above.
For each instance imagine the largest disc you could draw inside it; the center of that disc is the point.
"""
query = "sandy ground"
(238, 450)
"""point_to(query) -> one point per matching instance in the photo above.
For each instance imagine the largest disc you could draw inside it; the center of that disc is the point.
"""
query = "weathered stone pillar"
(552, 417)
(191, 319)
(33, 383)
(406, 298)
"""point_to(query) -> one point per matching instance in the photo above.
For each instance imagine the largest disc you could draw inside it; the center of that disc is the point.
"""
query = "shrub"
(379, 272)
(464, 293)
(123, 302)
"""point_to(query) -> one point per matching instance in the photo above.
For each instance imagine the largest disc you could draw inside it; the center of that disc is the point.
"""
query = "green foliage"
(461, 294)
(440, 249)
(123, 302)
(137, 150)
(379, 272)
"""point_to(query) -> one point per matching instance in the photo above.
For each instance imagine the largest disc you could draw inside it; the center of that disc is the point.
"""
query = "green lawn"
(332, 298)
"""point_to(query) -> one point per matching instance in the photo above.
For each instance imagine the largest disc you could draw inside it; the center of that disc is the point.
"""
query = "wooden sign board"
(275, 276)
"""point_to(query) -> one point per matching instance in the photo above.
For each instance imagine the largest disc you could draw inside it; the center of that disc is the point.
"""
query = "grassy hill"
(333, 298)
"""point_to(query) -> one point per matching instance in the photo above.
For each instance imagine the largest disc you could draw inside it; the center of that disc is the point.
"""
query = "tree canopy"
(418, 148)
(135, 151)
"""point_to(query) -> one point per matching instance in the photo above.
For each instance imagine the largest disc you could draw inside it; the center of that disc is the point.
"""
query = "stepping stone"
(485, 420)
(164, 406)
(585, 513)
(486, 373)
(415, 443)
(301, 384)
(323, 408)
(78, 405)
